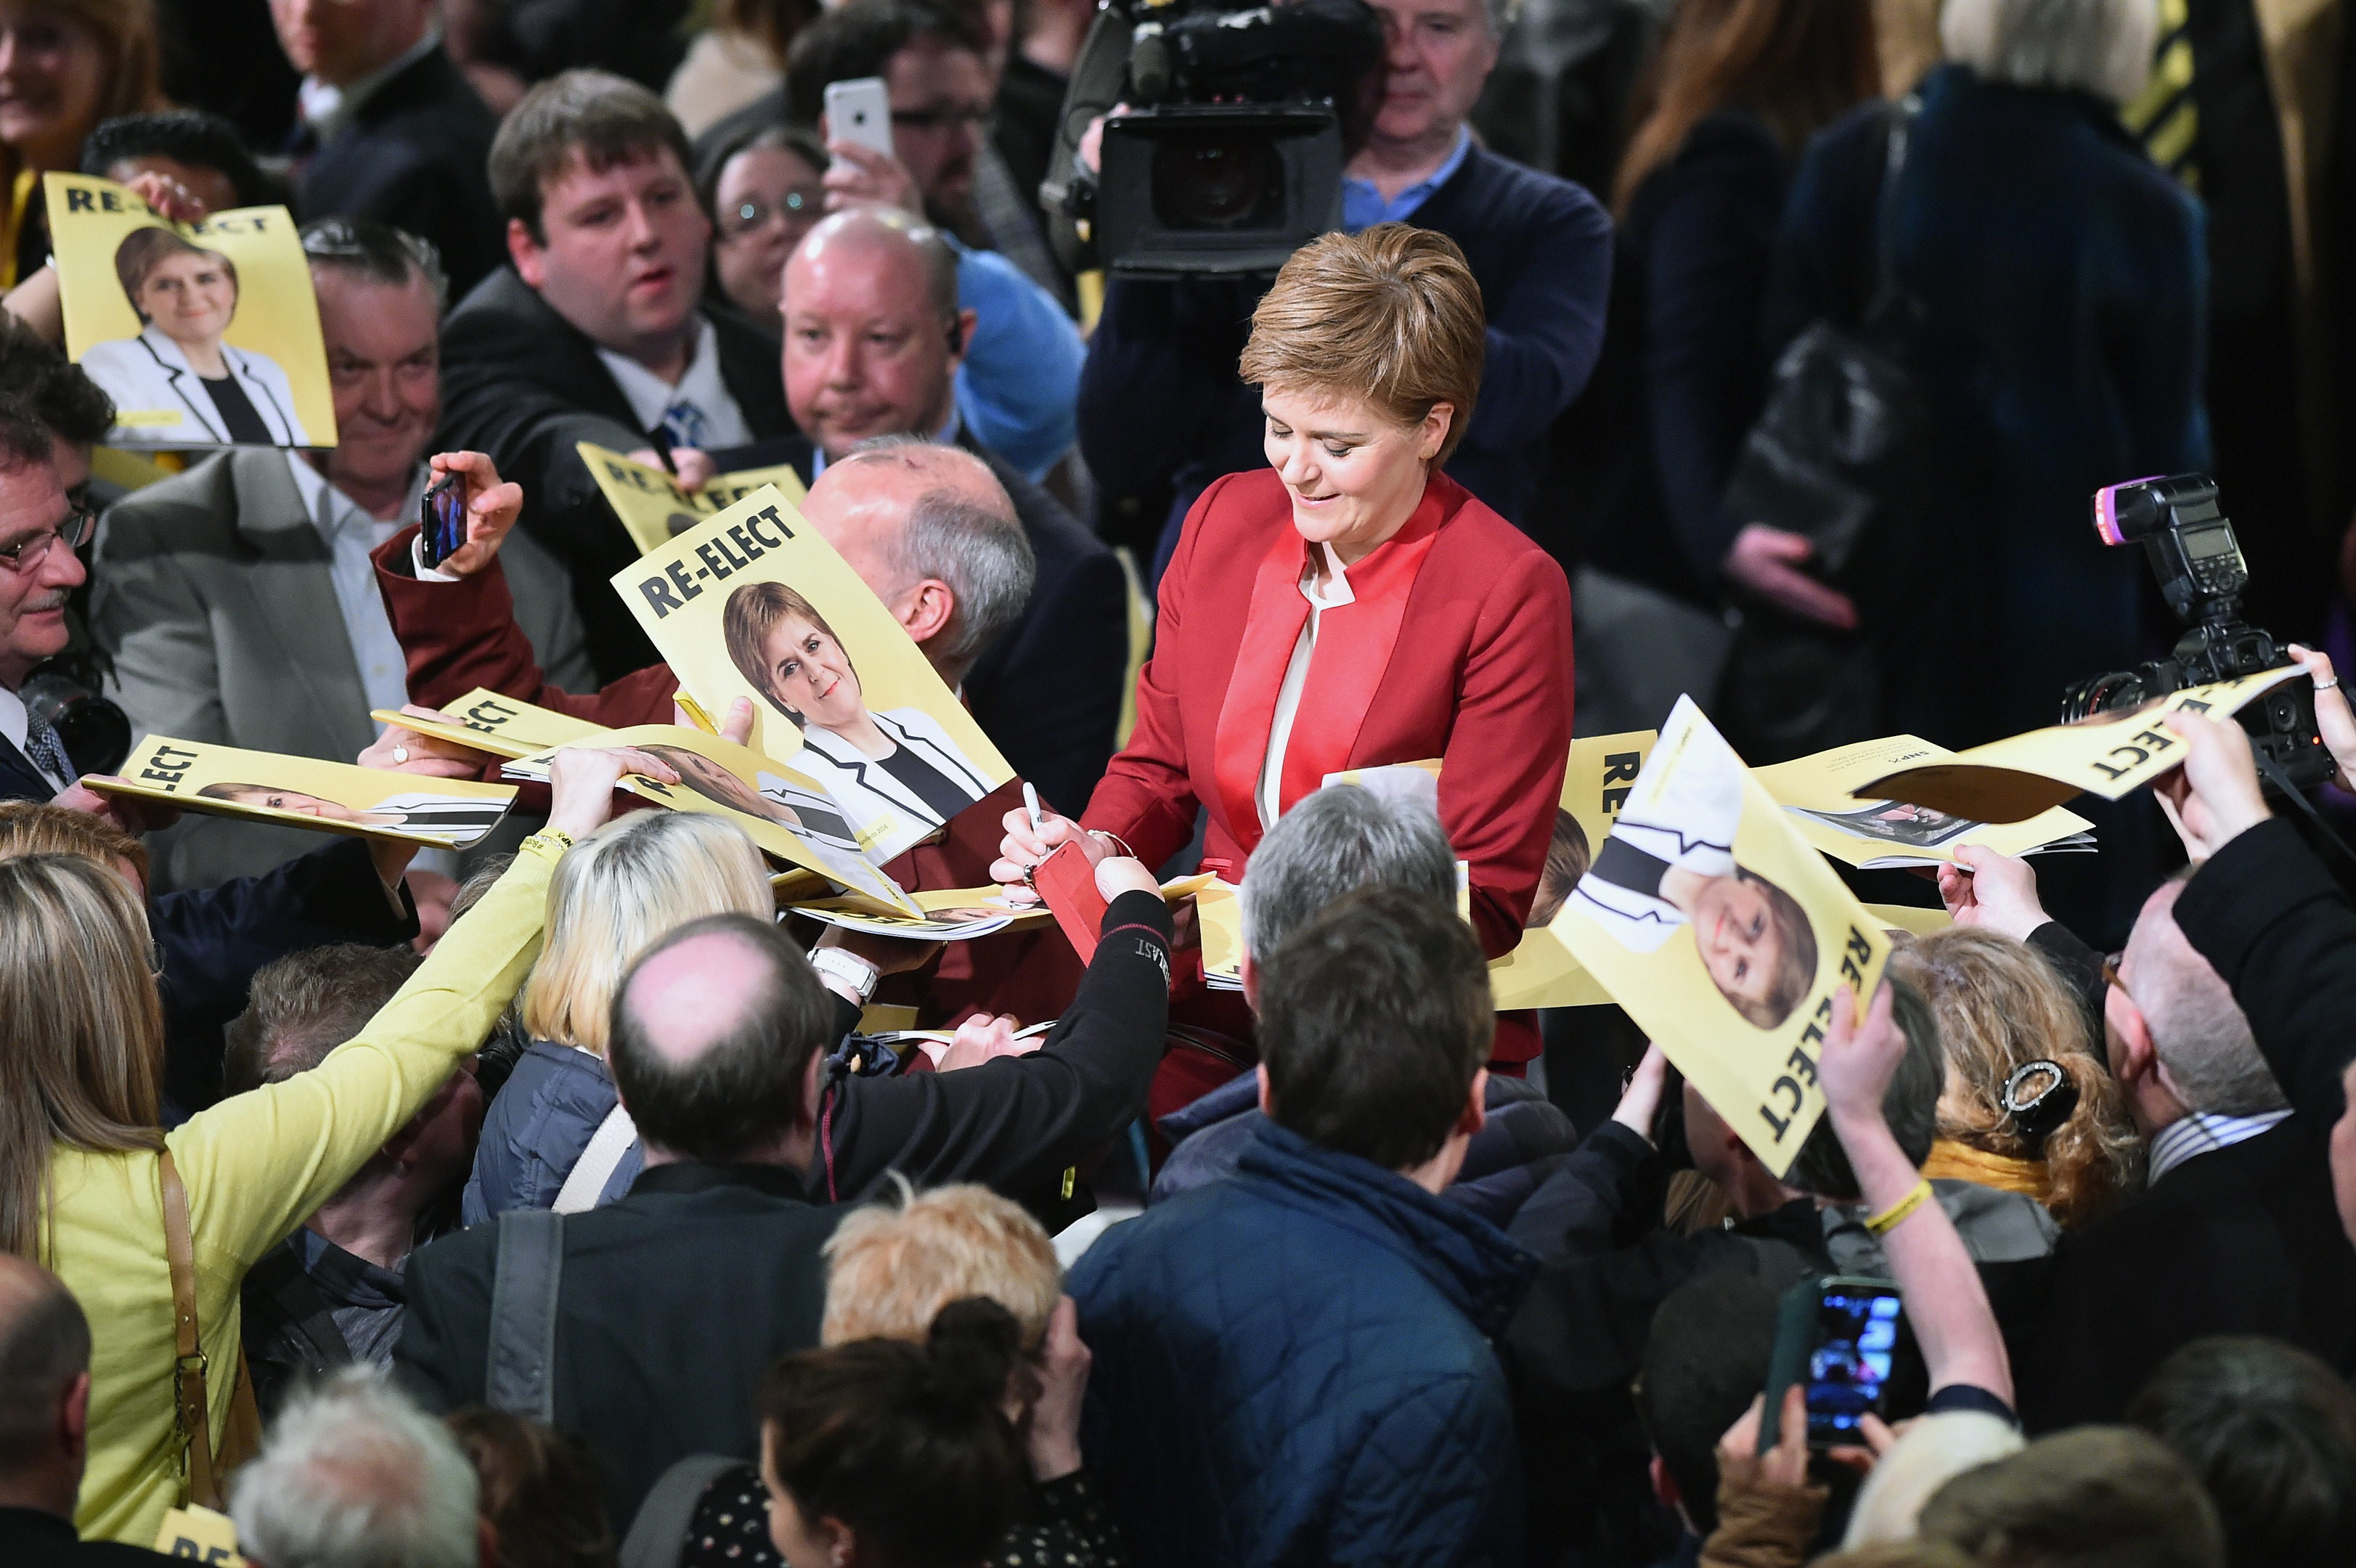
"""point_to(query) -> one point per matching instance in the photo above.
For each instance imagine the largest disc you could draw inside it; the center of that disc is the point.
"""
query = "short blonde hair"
(2001, 1006)
(618, 891)
(892, 1268)
(1391, 315)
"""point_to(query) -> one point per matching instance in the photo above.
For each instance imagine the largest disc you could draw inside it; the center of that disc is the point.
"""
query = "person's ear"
(528, 254)
(842, 1541)
(73, 1417)
(1267, 1100)
(1664, 1486)
(1432, 434)
(487, 1542)
(1475, 1114)
(810, 1076)
(961, 338)
(1249, 973)
(2134, 1056)
(926, 611)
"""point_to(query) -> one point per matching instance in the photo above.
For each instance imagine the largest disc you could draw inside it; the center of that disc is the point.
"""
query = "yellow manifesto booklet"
(655, 507)
(204, 333)
(753, 604)
(1723, 934)
(304, 792)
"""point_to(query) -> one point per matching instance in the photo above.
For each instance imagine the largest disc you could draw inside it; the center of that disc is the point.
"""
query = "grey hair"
(354, 1474)
(2201, 1034)
(377, 251)
(978, 549)
(1500, 16)
(1333, 842)
(2102, 47)
(45, 1347)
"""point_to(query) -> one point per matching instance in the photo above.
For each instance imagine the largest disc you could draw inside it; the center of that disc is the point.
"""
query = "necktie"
(2162, 114)
(49, 752)
(685, 425)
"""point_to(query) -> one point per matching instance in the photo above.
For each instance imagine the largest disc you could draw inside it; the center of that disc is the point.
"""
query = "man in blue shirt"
(1161, 414)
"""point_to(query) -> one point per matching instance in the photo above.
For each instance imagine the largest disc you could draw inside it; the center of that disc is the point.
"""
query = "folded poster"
(499, 725)
(753, 604)
(657, 508)
(1723, 934)
(304, 792)
(1820, 794)
(204, 333)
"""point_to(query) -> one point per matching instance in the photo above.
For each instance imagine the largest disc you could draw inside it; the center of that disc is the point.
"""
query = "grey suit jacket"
(211, 592)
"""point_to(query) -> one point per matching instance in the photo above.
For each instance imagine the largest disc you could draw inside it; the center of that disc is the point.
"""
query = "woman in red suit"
(1349, 605)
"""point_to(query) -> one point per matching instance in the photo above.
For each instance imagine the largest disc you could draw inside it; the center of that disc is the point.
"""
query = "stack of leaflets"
(1821, 793)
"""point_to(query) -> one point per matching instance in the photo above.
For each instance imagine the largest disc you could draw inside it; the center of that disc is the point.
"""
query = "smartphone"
(1838, 1335)
(860, 110)
(442, 518)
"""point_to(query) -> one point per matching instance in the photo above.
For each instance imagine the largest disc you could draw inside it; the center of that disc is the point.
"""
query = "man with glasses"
(40, 529)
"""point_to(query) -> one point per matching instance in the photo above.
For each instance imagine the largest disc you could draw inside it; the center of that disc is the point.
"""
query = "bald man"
(45, 1425)
(669, 1303)
(874, 338)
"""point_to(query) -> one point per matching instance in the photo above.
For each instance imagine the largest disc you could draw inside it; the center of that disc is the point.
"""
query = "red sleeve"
(1147, 795)
(463, 635)
(1501, 779)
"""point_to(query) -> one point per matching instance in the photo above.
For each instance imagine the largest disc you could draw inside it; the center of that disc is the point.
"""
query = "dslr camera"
(1228, 156)
(2191, 545)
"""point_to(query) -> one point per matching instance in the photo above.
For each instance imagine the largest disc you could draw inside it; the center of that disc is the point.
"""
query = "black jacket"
(414, 156)
(32, 1539)
(1048, 691)
(521, 383)
(672, 1303)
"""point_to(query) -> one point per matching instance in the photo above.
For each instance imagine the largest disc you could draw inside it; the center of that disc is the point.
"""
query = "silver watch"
(848, 967)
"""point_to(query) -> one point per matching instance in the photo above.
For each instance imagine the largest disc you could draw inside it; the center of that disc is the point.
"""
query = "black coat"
(672, 1304)
(414, 156)
(521, 383)
(32, 1539)
(214, 939)
(1048, 691)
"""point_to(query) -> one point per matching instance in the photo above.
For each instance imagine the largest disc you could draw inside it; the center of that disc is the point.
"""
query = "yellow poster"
(1723, 934)
(2110, 755)
(786, 813)
(304, 792)
(204, 333)
(1820, 794)
(499, 725)
(657, 508)
(753, 604)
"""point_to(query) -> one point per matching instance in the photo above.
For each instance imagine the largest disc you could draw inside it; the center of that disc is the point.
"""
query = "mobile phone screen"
(444, 522)
(1850, 1364)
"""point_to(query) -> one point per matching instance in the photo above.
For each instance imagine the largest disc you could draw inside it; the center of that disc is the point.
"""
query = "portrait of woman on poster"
(810, 817)
(900, 763)
(186, 296)
(460, 816)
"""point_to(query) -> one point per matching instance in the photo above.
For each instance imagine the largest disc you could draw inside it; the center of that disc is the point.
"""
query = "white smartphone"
(860, 111)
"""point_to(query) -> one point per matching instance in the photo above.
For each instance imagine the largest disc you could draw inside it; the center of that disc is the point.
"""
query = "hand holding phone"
(442, 518)
(1837, 1336)
(860, 112)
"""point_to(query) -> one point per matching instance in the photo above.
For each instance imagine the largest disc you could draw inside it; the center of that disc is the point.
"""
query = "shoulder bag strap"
(607, 1145)
(520, 1369)
(659, 1531)
(190, 1415)
(1898, 132)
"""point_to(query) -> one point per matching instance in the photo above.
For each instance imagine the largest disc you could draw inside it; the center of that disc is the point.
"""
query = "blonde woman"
(2002, 1007)
(617, 893)
(80, 1173)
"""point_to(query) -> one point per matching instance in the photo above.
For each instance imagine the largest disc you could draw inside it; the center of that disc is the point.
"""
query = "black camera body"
(1228, 156)
(63, 693)
(2191, 545)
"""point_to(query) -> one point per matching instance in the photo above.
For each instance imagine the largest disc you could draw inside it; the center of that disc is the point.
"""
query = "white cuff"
(427, 573)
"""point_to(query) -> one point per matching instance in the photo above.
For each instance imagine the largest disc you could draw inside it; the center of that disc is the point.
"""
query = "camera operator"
(1162, 412)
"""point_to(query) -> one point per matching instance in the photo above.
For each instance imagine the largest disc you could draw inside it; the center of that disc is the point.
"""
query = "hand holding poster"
(302, 792)
(655, 507)
(753, 604)
(499, 725)
(204, 333)
(1723, 934)
(2110, 755)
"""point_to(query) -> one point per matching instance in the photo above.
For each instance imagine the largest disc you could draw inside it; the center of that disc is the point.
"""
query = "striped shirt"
(2205, 1131)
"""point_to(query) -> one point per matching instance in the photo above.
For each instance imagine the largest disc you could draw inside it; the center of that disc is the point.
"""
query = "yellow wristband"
(1889, 1219)
(554, 838)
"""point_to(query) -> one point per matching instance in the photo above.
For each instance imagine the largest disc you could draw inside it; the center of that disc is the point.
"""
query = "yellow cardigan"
(256, 1166)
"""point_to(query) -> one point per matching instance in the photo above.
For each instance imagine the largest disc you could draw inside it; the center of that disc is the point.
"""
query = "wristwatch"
(848, 967)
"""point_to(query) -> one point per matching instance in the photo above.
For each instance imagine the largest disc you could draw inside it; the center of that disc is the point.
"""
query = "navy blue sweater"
(1161, 414)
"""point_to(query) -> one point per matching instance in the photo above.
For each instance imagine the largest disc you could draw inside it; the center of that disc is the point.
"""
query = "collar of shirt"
(334, 514)
(650, 397)
(329, 109)
(2206, 1132)
(1363, 205)
(1337, 591)
(947, 437)
(15, 725)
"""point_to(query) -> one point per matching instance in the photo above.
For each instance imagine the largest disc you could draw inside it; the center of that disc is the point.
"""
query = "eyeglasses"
(939, 119)
(2111, 971)
(73, 533)
(798, 206)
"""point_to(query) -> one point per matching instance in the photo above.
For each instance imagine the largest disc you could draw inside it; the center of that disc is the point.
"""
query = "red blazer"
(1480, 677)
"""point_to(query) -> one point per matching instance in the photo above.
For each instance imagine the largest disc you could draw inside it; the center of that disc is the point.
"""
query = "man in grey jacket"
(237, 598)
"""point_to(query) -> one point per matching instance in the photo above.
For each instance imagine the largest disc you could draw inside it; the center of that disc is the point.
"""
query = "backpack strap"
(520, 1367)
(586, 1182)
(660, 1533)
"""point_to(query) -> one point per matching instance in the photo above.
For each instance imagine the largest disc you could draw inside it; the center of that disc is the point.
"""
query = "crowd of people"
(573, 1202)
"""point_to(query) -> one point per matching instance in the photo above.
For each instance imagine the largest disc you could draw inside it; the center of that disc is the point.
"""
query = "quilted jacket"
(1293, 1367)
